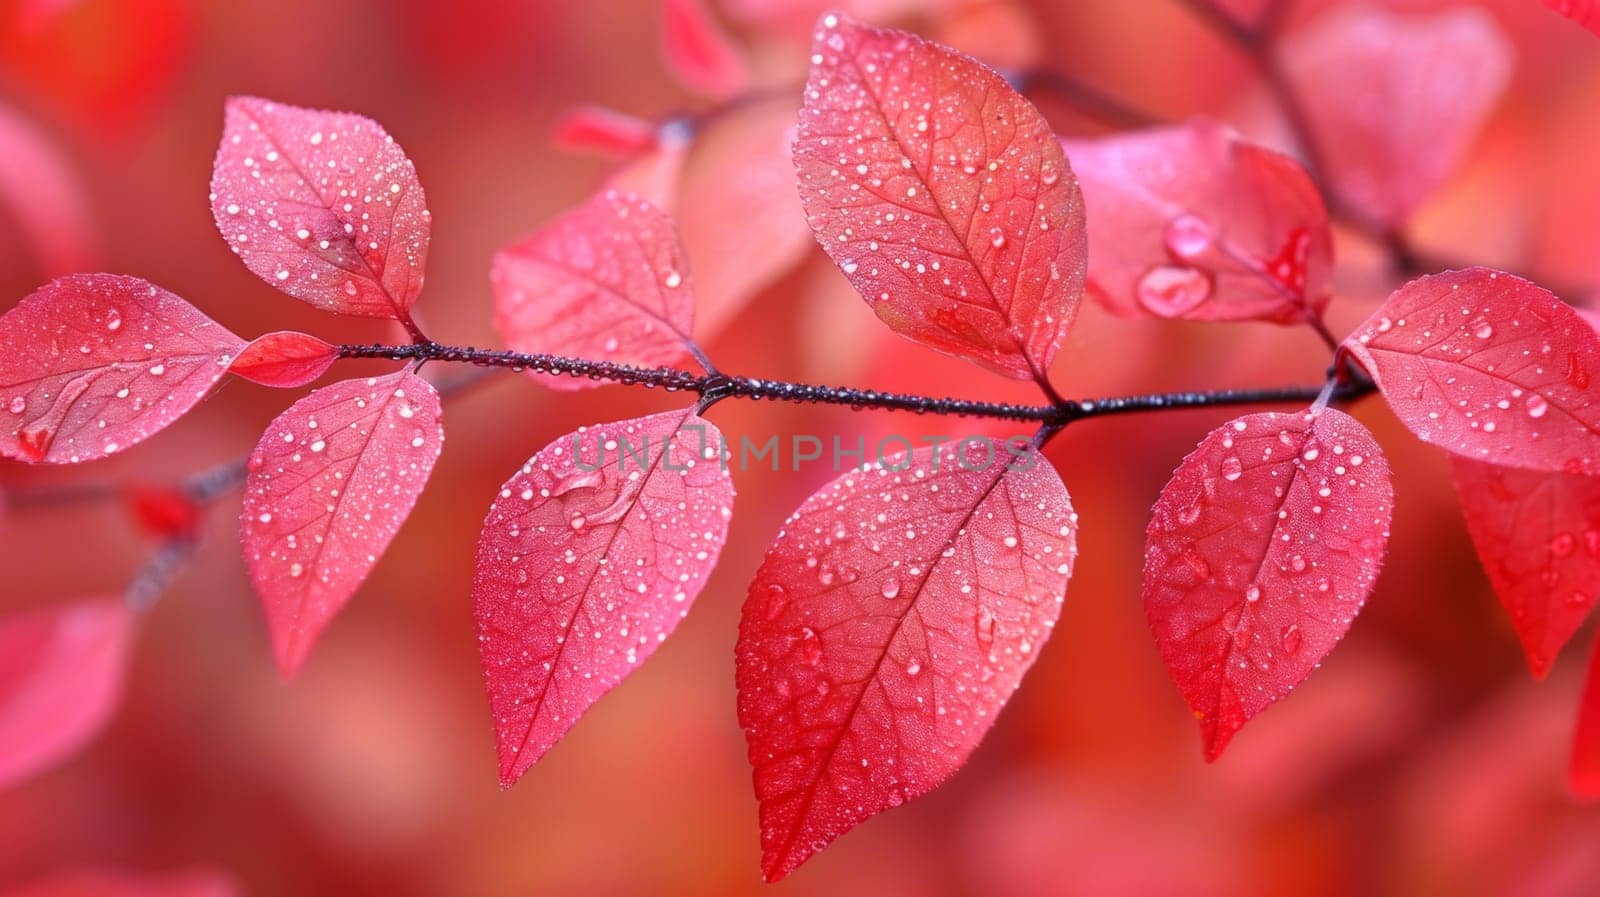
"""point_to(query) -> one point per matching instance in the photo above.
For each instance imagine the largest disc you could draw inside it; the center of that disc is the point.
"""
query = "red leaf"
(1261, 550)
(1488, 366)
(91, 364)
(583, 572)
(943, 196)
(606, 280)
(1584, 773)
(1394, 101)
(1194, 222)
(115, 883)
(1584, 12)
(286, 359)
(604, 131)
(1538, 536)
(61, 674)
(698, 52)
(895, 613)
(329, 485)
(322, 205)
(740, 170)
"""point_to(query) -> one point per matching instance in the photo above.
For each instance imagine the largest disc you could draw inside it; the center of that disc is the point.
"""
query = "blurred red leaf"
(607, 280)
(740, 217)
(1584, 773)
(1261, 550)
(605, 131)
(329, 485)
(942, 194)
(285, 359)
(43, 195)
(107, 883)
(698, 52)
(322, 205)
(61, 673)
(108, 63)
(1488, 366)
(1394, 101)
(91, 364)
(1584, 12)
(1195, 222)
(890, 621)
(588, 559)
(1538, 536)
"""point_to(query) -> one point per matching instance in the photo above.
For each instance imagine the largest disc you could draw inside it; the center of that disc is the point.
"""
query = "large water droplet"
(890, 588)
(18, 405)
(810, 647)
(1170, 291)
(1291, 638)
(1536, 406)
(777, 601)
(1232, 468)
(1482, 329)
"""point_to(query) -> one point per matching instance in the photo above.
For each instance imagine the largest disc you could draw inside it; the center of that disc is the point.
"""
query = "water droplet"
(810, 647)
(914, 667)
(891, 588)
(578, 521)
(1291, 638)
(997, 238)
(1170, 291)
(113, 321)
(1232, 468)
(18, 405)
(1188, 236)
(777, 601)
(1562, 544)
(985, 627)
(1252, 594)
(1536, 406)
(1482, 329)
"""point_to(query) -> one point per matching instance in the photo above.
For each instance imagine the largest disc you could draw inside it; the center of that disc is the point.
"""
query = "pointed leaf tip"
(327, 489)
(588, 559)
(1261, 550)
(889, 623)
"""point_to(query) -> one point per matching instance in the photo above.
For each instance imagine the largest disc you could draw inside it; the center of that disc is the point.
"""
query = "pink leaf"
(1194, 222)
(322, 205)
(85, 882)
(607, 280)
(1584, 12)
(1538, 536)
(285, 359)
(1394, 101)
(604, 131)
(588, 559)
(61, 674)
(1584, 773)
(942, 195)
(1261, 550)
(91, 364)
(698, 52)
(892, 618)
(329, 485)
(1488, 366)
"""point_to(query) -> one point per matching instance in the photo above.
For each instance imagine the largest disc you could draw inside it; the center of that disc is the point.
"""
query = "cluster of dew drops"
(864, 537)
(336, 217)
(368, 513)
(897, 195)
(1484, 407)
(560, 509)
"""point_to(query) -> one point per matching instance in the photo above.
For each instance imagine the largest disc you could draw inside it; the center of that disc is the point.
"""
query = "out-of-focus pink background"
(1421, 759)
